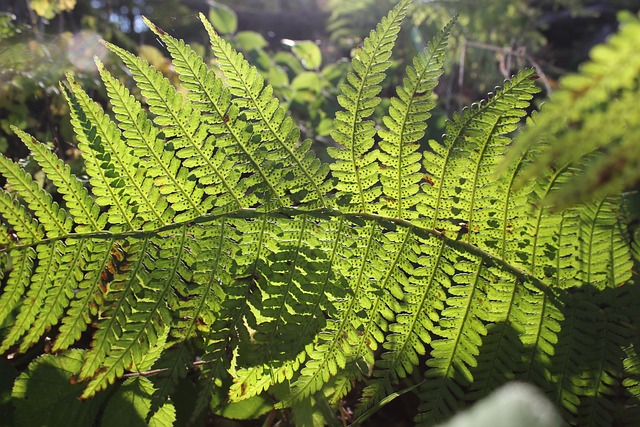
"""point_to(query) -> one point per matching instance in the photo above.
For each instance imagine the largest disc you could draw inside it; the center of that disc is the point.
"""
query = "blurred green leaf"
(250, 40)
(288, 60)
(307, 80)
(223, 19)
(7, 27)
(308, 53)
(512, 405)
(278, 77)
(48, 9)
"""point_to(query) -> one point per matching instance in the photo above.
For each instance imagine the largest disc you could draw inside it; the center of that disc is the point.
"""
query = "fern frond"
(209, 231)
(601, 367)
(460, 330)
(180, 124)
(96, 255)
(27, 230)
(120, 301)
(392, 248)
(278, 134)
(461, 184)
(106, 158)
(631, 365)
(406, 123)
(603, 252)
(143, 139)
(199, 303)
(212, 99)
(82, 208)
(301, 288)
(25, 227)
(17, 281)
(414, 324)
(48, 261)
(62, 290)
(54, 219)
(605, 90)
(589, 367)
(355, 164)
(151, 314)
(236, 316)
(335, 343)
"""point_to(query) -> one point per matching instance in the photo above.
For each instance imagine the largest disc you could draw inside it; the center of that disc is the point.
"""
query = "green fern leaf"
(423, 289)
(27, 230)
(147, 322)
(335, 342)
(151, 159)
(605, 90)
(180, 124)
(355, 164)
(460, 332)
(603, 250)
(199, 304)
(210, 232)
(212, 99)
(120, 303)
(106, 158)
(478, 131)
(59, 294)
(87, 296)
(300, 285)
(406, 122)
(53, 218)
(48, 261)
(17, 281)
(81, 207)
(278, 134)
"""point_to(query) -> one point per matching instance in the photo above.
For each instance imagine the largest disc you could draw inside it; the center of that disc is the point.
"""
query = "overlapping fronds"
(355, 165)
(605, 91)
(210, 239)
(405, 126)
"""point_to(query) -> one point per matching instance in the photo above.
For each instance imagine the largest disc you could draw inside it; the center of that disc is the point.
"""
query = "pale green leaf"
(223, 18)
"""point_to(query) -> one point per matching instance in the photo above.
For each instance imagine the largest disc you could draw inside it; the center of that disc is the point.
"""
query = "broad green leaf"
(47, 395)
(130, 404)
(248, 409)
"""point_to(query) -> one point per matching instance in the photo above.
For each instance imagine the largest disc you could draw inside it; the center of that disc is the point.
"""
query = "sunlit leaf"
(223, 19)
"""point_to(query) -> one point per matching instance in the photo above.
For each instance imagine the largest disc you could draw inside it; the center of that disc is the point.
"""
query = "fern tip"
(159, 31)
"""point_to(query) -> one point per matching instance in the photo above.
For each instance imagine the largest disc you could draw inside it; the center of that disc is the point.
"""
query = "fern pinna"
(210, 238)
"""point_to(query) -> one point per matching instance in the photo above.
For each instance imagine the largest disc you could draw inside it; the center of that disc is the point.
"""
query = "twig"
(153, 372)
(520, 53)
